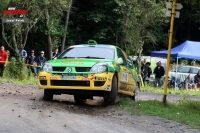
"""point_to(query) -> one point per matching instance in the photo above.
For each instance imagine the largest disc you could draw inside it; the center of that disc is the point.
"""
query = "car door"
(125, 79)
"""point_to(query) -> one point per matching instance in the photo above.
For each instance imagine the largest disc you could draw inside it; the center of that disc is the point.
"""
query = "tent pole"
(176, 86)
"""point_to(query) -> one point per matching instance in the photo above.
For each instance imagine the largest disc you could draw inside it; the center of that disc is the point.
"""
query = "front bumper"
(92, 82)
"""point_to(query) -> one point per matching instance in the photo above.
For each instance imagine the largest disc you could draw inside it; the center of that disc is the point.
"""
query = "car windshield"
(88, 52)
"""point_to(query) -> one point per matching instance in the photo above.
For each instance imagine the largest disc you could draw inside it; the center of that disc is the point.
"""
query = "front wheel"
(79, 99)
(110, 97)
(47, 95)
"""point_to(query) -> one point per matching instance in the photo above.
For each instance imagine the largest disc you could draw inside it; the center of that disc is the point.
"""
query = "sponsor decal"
(85, 78)
(14, 11)
(101, 78)
(72, 63)
(42, 77)
(109, 79)
(70, 70)
(126, 87)
(53, 78)
(107, 86)
(92, 78)
(124, 76)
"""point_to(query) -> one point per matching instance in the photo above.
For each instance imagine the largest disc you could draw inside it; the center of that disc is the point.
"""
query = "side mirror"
(130, 63)
(120, 61)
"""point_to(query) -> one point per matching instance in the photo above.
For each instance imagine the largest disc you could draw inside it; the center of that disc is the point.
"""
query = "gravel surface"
(23, 111)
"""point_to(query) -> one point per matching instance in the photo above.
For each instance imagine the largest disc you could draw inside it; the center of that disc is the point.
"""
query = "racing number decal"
(124, 76)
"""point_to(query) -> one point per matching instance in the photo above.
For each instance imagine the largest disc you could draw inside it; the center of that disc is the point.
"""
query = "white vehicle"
(184, 71)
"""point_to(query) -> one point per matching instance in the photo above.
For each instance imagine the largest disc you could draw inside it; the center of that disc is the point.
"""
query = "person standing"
(22, 54)
(197, 80)
(146, 70)
(55, 54)
(159, 73)
(3, 59)
(30, 61)
(40, 60)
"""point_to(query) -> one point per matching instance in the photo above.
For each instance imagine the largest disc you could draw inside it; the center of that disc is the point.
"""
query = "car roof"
(191, 66)
(96, 45)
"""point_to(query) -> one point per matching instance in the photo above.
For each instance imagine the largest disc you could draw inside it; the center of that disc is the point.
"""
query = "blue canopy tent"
(187, 50)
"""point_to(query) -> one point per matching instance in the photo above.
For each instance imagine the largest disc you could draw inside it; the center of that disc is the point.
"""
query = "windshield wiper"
(91, 57)
(68, 57)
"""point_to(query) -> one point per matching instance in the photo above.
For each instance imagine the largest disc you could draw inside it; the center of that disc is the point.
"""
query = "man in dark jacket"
(55, 54)
(40, 60)
(146, 71)
(197, 79)
(159, 72)
(30, 61)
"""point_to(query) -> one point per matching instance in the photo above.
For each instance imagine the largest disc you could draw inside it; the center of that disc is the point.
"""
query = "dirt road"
(23, 111)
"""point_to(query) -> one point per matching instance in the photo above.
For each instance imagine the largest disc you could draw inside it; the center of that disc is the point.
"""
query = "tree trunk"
(66, 26)
(15, 43)
(49, 46)
(48, 35)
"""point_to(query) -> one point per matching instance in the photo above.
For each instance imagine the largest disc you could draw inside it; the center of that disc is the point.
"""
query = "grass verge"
(169, 91)
(29, 81)
(186, 111)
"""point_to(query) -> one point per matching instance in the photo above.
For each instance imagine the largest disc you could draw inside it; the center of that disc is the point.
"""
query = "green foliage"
(16, 70)
(170, 91)
(4, 5)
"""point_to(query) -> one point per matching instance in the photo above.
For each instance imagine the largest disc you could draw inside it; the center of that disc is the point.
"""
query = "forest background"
(137, 26)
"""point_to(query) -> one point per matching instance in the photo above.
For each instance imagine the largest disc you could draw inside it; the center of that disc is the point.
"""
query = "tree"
(137, 18)
(66, 23)
(52, 23)
(15, 34)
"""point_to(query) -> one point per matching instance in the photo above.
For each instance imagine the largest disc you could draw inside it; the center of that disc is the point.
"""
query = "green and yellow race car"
(89, 70)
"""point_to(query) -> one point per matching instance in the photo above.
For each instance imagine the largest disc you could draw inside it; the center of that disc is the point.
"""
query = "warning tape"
(17, 63)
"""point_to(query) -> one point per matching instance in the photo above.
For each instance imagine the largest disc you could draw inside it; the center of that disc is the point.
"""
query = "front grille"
(83, 69)
(43, 82)
(60, 69)
(99, 83)
(69, 83)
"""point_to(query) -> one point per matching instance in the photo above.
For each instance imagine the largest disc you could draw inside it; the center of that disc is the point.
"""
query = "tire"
(79, 99)
(47, 95)
(110, 97)
(136, 93)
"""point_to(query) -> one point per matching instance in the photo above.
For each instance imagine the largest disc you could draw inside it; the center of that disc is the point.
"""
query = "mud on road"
(23, 111)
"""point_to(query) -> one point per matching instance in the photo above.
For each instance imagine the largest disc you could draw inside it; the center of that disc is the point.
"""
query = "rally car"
(89, 70)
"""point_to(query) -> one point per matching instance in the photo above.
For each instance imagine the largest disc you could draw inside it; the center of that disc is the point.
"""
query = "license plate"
(69, 77)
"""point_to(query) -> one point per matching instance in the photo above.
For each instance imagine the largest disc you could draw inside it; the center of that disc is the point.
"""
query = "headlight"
(47, 67)
(99, 68)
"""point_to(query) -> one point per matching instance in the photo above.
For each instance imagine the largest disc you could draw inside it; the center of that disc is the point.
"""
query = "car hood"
(78, 62)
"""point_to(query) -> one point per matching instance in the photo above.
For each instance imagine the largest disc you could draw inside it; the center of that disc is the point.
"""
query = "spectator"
(189, 83)
(3, 59)
(159, 73)
(149, 69)
(23, 54)
(55, 54)
(197, 79)
(30, 62)
(40, 60)
(145, 71)
(143, 63)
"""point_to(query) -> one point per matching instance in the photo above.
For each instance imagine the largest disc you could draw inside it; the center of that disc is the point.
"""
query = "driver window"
(121, 55)
(184, 70)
